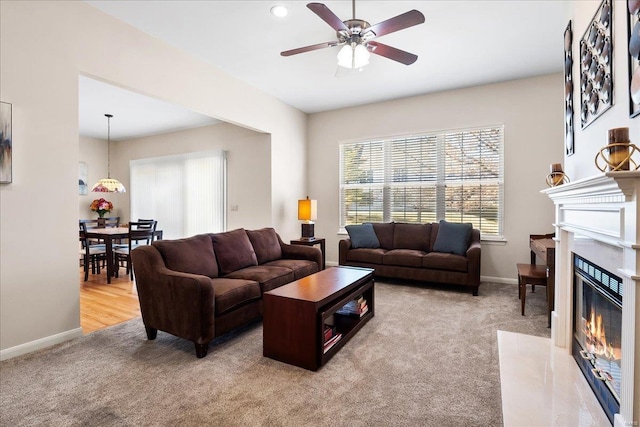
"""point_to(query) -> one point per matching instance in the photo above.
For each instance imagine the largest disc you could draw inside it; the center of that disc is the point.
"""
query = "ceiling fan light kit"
(356, 35)
(353, 56)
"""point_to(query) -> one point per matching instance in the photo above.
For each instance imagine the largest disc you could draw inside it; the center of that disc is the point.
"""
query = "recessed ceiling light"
(279, 11)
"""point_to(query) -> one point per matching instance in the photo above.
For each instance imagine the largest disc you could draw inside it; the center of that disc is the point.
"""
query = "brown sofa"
(406, 251)
(204, 286)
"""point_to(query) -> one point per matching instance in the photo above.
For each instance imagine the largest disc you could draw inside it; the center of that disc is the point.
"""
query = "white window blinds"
(185, 193)
(453, 175)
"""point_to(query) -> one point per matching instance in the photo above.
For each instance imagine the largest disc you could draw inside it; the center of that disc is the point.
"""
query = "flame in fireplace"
(596, 339)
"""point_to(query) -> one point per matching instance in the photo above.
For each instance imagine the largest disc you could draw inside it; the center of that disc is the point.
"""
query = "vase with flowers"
(102, 207)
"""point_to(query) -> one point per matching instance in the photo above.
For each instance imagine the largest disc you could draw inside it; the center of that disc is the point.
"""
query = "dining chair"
(112, 221)
(138, 232)
(92, 254)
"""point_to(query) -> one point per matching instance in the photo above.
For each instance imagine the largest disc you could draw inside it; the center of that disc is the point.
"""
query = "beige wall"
(44, 47)
(93, 151)
(590, 140)
(531, 111)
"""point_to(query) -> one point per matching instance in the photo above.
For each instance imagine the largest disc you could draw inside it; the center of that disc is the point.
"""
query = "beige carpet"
(428, 358)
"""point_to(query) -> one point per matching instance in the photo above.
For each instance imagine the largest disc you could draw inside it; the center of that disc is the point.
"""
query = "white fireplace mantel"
(603, 208)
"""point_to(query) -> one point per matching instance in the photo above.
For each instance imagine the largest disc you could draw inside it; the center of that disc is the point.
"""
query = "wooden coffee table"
(295, 315)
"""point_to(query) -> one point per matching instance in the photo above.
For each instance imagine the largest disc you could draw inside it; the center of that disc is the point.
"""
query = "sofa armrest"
(175, 302)
(474, 253)
(309, 253)
(343, 247)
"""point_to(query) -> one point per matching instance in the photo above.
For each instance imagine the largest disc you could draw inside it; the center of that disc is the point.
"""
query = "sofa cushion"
(453, 237)
(233, 293)
(384, 232)
(266, 244)
(191, 255)
(412, 236)
(403, 257)
(300, 267)
(444, 261)
(233, 250)
(362, 236)
(269, 276)
(373, 256)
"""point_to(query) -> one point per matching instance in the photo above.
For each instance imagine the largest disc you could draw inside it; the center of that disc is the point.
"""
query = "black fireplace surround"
(597, 329)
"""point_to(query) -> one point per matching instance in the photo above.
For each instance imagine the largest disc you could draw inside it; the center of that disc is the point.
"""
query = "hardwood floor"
(103, 305)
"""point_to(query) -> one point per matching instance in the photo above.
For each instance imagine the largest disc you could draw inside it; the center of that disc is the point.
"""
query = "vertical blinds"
(453, 175)
(185, 193)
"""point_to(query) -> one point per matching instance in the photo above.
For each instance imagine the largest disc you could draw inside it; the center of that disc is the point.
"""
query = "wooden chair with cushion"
(533, 275)
(140, 233)
(112, 221)
(91, 253)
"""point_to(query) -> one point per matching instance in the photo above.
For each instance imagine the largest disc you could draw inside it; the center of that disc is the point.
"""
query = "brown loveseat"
(407, 251)
(204, 286)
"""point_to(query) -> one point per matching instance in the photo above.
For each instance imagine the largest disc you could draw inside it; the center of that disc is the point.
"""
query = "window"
(185, 193)
(453, 175)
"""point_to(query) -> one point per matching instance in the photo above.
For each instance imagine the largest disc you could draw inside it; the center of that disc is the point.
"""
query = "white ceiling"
(461, 44)
(134, 115)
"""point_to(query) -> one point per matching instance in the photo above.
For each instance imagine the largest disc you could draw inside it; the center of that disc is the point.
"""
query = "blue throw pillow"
(453, 238)
(363, 236)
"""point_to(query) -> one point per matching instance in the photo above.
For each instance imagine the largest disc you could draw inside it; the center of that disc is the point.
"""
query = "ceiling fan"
(356, 35)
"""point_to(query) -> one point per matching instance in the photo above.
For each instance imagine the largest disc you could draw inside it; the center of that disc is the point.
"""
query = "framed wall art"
(596, 66)
(568, 91)
(633, 27)
(83, 189)
(6, 144)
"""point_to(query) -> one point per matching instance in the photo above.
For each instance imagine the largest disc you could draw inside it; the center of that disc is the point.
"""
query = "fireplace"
(597, 288)
(597, 331)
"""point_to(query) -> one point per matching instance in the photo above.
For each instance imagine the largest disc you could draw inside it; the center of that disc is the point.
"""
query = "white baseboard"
(490, 279)
(506, 280)
(39, 344)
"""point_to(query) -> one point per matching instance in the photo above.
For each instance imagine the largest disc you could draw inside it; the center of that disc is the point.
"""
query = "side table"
(311, 242)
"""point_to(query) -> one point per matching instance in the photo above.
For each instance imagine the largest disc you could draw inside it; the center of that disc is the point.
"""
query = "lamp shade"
(108, 185)
(307, 209)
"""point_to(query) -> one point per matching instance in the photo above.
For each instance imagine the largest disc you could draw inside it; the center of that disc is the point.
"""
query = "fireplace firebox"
(597, 330)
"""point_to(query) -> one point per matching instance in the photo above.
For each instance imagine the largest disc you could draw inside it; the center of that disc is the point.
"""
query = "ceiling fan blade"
(400, 22)
(398, 55)
(309, 48)
(328, 16)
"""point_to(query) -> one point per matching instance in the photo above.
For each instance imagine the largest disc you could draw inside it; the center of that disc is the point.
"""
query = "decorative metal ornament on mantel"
(557, 176)
(108, 184)
(617, 155)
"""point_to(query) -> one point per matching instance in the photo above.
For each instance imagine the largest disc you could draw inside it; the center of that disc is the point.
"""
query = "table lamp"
(307, 212)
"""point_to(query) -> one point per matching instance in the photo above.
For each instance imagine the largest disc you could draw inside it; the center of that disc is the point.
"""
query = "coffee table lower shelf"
(295, 315)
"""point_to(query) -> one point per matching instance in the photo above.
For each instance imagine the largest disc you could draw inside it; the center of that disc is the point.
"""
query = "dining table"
(109, 235)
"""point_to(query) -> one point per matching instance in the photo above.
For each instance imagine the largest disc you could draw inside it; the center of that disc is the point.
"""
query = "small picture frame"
(6, 144)
(83, 188)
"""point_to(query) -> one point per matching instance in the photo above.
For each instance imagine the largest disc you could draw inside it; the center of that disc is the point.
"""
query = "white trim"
(505, 280)
(39, 344)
